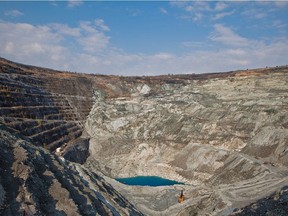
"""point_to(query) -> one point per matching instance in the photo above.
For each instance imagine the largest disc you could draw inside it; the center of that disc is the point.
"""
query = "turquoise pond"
(153, 181)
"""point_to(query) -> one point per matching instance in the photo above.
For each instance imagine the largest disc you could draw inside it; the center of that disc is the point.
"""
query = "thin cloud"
(195, 17)
(197, 11)
(93, 38)
(194, 6)
(198, 17)
(222, 15)
(255, 13)
(53, 2)
(189, 8)
(162, 56)
(226, 35)
(192, 44)
(65, 30)
(163, 10)
(278, 24)
(74, 3)
(94, 42)
(133, 12)
(221, 6)
(100, 23)
(14, 13)
(281, 3)
(202, 6)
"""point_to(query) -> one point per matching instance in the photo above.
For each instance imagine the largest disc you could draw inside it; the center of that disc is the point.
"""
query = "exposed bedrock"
(209, 133)
(35, 182)
(42, 115)
(192, 129)
(225, 135)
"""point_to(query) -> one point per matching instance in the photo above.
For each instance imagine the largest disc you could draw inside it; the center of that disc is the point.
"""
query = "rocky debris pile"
(35, 182)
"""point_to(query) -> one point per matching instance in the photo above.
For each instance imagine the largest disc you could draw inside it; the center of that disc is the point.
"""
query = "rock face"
(45, 110)
(35, 182)
(227, 132)
(225, 135)
(194, 128)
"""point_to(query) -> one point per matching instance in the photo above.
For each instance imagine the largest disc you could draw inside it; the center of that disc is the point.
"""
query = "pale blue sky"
(145, 37)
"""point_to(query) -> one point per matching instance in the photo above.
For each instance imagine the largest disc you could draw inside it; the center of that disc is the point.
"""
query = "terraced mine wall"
(42, 112)
(46, 108)
(225, 135)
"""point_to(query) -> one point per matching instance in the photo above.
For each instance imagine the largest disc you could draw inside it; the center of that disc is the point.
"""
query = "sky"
(145, 37)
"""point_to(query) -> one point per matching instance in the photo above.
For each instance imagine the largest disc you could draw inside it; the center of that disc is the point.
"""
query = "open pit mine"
(66, 137)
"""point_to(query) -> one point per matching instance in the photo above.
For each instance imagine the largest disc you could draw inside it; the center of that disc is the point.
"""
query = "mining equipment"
(181, 198)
